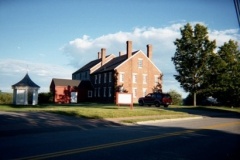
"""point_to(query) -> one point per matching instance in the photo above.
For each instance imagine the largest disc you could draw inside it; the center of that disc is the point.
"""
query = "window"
(110, 77)
(134, 77)
(121, 77)
(95, 79)
(134, 92)
(144, 92)
(156, 80)
(89, 93)
(95, 92)
(140, 63)
(98, 92)
(83, 75)
(74, 76)
(99, 78)
(144, 79)
(87, 74)
(74, 97)
(104, 92)
(105, 77)
(109, 91)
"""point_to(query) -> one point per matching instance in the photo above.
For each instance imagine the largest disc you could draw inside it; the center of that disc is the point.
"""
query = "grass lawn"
(102, 111)
(96, 110)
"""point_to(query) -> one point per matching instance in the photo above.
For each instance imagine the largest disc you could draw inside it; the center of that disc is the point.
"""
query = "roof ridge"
(26, 81)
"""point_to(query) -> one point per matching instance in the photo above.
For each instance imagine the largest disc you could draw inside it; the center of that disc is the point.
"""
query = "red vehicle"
(156, 99)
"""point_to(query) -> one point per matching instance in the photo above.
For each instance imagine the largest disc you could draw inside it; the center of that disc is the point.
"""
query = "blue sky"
(54, 38)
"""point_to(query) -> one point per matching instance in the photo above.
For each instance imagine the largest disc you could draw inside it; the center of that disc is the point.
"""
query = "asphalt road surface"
(50, 136)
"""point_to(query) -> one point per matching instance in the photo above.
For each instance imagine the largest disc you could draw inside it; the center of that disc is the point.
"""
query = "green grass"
(94, 110)
(155, 118)
(101, 111)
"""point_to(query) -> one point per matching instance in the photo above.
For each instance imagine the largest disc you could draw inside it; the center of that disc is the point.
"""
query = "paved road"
(47, 136)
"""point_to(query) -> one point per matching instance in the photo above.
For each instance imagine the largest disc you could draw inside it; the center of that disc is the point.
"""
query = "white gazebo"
(25, 92)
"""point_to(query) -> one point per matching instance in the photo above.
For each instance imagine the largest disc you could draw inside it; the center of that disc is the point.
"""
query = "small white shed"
(25, 92)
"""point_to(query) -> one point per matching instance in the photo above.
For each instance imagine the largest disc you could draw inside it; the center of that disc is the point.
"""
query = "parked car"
(156, 99)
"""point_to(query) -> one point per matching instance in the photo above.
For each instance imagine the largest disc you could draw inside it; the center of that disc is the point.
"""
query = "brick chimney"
(99, 55)
(103, 55)
(129, 49)
(149, 51)
(120, 53)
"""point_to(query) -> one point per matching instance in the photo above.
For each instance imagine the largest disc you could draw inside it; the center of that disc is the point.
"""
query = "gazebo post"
(35, 97)
(26, 97)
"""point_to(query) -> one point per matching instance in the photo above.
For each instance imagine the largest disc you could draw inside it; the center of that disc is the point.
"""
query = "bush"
(176, 97)
(45, 98)
(6, 98)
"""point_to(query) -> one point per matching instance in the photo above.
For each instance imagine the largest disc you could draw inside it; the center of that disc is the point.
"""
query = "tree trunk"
(194, 99)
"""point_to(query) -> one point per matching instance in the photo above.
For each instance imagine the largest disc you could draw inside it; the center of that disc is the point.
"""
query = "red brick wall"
(62, 94)
(131, 66)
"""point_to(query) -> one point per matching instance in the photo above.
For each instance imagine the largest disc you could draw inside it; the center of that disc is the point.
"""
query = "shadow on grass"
(75, 114)
(87, 104)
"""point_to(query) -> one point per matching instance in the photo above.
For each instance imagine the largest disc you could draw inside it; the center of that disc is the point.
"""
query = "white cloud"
(224, 36)
(12, 71)
(83, 50)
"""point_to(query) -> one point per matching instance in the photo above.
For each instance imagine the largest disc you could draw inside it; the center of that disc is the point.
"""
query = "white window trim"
(145, 78)
(95, 79)
(134, 75)
(99, 78)
(105, 77)
(95, 92)
(98, 92)
(140, 60)
(144, 91)
(156, 77)
(121, 76)
(110, 77)
(134, 92)
(104, 91)
(109, 91)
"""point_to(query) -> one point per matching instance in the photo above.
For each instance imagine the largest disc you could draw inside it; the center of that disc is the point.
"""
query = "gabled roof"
(134, 54)
(89, 65)
(93, 63)
(111, 65)
(72, 83)
(65, 82)
(26, 82)
(86, 84)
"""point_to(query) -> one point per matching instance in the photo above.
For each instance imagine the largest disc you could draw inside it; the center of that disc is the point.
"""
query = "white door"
(73, 97)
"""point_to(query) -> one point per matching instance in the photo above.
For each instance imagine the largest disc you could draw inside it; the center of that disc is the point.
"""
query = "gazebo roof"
(26, 82)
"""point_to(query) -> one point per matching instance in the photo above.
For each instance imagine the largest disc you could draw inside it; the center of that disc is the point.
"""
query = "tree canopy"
(223, 79)
(191, 57)
(204, 70)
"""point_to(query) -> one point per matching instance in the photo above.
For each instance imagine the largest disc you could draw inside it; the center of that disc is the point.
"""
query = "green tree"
(224, 75)
(176, 97)
(191, 58)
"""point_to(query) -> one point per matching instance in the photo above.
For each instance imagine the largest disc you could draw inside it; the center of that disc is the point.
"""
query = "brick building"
(133, 72)
(70, 91)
